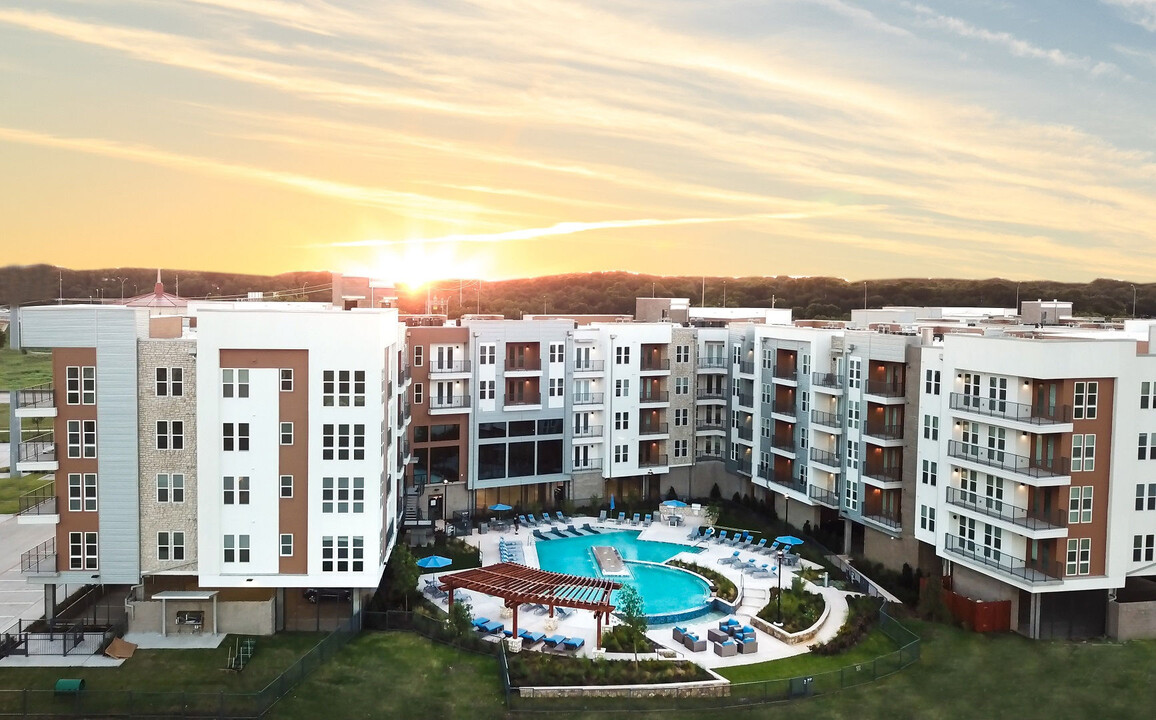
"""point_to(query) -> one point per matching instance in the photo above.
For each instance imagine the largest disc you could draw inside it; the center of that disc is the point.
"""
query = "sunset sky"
(507, 138)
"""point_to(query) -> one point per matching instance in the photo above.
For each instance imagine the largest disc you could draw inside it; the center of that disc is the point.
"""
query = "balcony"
(745, 400)
(826, 381)
(711, 394)
(745, 433)
(888, 392)
(38, 506)
(743, 466)
(828, 420)
(586, 398)
(785, 408)
(654, 364)
(530, 398)
(654, 396)
(38, 455)
(523, 364)
(1038, 416)
(40, 560)
(449, 402)
(888, 523)
(823, 496)
(404, 374)
(746, 367)
(885, 434)
(588, 431)
(653, 461)
(705, 456)
(788, 482)
(589, 366)
(1034, 573)
(1053, 471)
(460, 367)
(827, 458)
(710, 426)
(783, 443)
(1023, 518)
(707, 364)
(589, 464)
(37, 401)
(654, 429)
(886, 478)
(785, 375)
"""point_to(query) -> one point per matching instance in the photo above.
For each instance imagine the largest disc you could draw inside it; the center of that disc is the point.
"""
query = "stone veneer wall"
(707, 688)
(167, 517)
(686, 402)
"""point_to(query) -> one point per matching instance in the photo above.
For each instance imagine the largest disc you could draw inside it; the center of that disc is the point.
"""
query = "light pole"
(779, 597)
(1133, 302)
(122, 282)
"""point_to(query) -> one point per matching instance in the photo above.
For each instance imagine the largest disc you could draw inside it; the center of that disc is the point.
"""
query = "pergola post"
(515, 609)
(598, 635)
(450, 605)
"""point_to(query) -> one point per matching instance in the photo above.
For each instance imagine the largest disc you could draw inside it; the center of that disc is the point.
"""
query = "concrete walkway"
(19, 599)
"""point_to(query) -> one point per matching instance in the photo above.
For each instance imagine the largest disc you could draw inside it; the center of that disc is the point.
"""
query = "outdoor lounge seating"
(621, 518)
(522, 519)
(636, 519)
(709, 534)
(564, 612)
(529, 637)
(592, 531)
(561, 518)
(762, 544)
(717, 636)
(695, 533)
(762, 571)
(648, 519)
(554, 640)
(722, 537)
(731, 560)
(573, 643)
(748, 646)
(678, 633)
(479, 622)
(540, 535)
(602, 516)
(693, 643)
(726, 648)
(493, 627)
(725, 625)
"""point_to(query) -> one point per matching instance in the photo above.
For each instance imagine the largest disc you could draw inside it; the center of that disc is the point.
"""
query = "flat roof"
(185, 595)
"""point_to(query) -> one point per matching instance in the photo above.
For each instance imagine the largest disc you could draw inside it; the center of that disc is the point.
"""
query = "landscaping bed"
(723, 586)
(542, 669)
(800, 609)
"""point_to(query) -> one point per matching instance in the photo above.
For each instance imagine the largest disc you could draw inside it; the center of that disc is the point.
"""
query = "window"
(486, 389)
(236, 548)
(235, 383)
(1146, 501)
(286, 379)
(342, 495)
(418, 392)
(236, 490)
(931, 382)
(82, 551)
(342, 554)
(556, 387)
(557, 353)
(927, 518)
(853, 454)
(486, 354)
(736, 387)
(1083, 453)
(805, 365)
(343, 388)
(342, 442)
(681, 416)
(680, 448)
(622, 356)
(621, 453)
(170, 546)
(765, 429)
(853, 414)
(768, 359)
(805, 402)
(286, 433)
(1084, 407)
(681, 386)
(418, 355)
(1146, 449)
(622, 388)
(1143, 548)
(992, 541)
(286, 545)
(621, 421)
(851, 495)
(80, 385)
(682, 353)
(170, 488)
(170, 382)
(170, 435)
(930, 472)
(931, 427)
(736, 354)
(286, 486)
(1079, 561)
(235, 436)
(734, 418)
(766, 393)
(81, 438)
(855, 373)
(1079, 504)
(82, 492)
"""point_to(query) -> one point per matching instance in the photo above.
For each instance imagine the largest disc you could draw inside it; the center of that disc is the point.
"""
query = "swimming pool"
(666, 591)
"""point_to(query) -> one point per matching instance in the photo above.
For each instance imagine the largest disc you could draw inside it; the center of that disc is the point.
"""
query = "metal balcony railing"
(589, 366)
(745, 433)
(703, 425)
(654, 363)
(828, 380)
(747, 367)
(783, 443)
(1020, 412)
(654, 428)
(41, 501)
(530, 398)
(785, 374)
(997, 508)
(653, 461)
(884, 474)
(743, 466)
(703, 456)
(712, 363)
(829, 459)
(891, 522)
(782, 407)
(37, 396)
(459, 366)
(654, 396)
(589, 464)
(789, 482)
(588, 431)
(523, 364)
(40, 448)
(449, 402)
(885, 388)
(824, 496)
(711, 394)
(40, 560)
(745, 400)
(1019, 464)
(587, 398)
(883, 432)
(826, 419)
(1035, 572)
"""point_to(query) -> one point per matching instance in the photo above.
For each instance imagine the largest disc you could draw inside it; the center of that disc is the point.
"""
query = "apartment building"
(237, 453)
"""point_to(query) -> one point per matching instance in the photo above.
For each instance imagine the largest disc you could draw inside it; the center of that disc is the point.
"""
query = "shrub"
(723, 587)
(671, 494)
(715, 493)
(532, 668)
(623, 639)
(800, 609)
(863, 613)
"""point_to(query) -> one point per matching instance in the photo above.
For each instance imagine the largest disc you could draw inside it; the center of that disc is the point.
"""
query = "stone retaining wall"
(705, 688)
(793, 638)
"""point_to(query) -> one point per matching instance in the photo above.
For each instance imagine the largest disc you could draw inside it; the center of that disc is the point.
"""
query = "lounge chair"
(763, 571)
(592, 531)
(748, 646)
(725, 625)
(726, 648)
(540, 535)
(750, 566)
(556, 531)
(772, 548)
(621, 518)
(760, 546)
(746, 541)
(561, 518)
(493, 627)
(575, 531)
(708, 534)
(678, 633)
(535, 521)
(522, 519)
(529, 637)
(573, 643)
(602, 516)
(648, 519)
(479, 622)
(564, 612)
(730, 560)
(694, 534)
(722, 537)
(693, 643)
(554, 640)
(636, 519)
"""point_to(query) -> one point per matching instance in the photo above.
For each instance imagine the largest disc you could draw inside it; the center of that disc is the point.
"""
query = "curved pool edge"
(684, 615)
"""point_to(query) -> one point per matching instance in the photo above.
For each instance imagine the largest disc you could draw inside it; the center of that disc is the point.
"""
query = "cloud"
(861, 16)
(1139, 12)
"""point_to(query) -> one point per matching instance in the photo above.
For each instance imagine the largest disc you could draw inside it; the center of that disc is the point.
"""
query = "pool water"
(665, 590)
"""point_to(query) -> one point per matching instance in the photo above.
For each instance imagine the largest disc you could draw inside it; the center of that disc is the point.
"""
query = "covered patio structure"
(517, 584)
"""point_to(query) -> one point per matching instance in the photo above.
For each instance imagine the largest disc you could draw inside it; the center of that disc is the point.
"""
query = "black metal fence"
(435, 629)
(137, 704)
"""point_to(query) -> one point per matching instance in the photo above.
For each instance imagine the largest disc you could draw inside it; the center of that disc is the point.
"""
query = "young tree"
(461, 618)
(630, 609)
(401, 575)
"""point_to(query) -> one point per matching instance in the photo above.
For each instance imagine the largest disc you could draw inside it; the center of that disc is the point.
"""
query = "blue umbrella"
(674, 503)
(500, 507)
(434, 562)
(788, 540)
(611, 502)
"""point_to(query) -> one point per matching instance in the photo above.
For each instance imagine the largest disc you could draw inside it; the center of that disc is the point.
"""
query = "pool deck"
(755, 594)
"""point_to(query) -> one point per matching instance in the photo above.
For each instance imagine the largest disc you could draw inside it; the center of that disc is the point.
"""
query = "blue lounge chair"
(725, 625)
(540, 535)
(760, 546)
(554, 640)
(648, 519)
(574, 531)
(532, 638)
(708, 534)
(561, 518)
(479, 622)
(750, 566)
(573, 643)
(602, 516)
(636, 519)
(621, 518)
(522, 519)
(494, 627)
(694, 534)
(730, 560)
(722, 537)
(762, 571)
(592, 531)
(556, 531)
(564, 612)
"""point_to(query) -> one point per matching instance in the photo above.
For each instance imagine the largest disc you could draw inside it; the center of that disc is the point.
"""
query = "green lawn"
(875, 644)
(13, 488)
(18, 370)
(961, 675)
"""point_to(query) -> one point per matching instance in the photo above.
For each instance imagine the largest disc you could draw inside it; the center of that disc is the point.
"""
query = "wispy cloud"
(1140, 12)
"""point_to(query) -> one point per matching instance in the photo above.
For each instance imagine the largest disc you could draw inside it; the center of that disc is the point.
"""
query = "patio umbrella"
(788, 540)
(434, 562)
(674, 503)
(611, 502)
(500, 507)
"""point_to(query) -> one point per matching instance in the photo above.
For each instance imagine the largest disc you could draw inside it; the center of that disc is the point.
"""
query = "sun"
(415, 264)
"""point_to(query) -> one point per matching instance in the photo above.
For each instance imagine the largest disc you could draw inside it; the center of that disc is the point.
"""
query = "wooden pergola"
(517, 584)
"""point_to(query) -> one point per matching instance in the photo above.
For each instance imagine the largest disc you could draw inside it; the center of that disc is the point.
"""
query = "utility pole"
(703, 302)
(864, 295)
